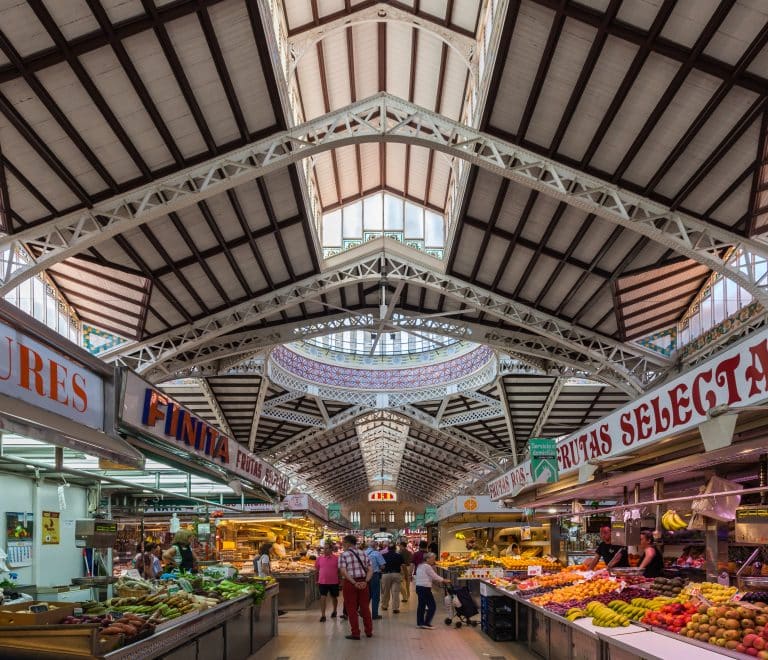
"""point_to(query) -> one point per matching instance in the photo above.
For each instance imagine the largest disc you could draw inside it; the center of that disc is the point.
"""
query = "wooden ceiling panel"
(428, 72)
(543, 210)
(346, 164)
(455, 83)
(241, 56)
(760, 64)
(111, 80)
(737, 31)
(522, 60)
(224, 272)
(436, 8)
(326, 7)
(280, 194)
(310, 80)
(364, 40)
(639, 14)
(441, 175)
(642, 98)
(584, 295)
(568, 231)
(147, 56)
(419, 164)
(297, 248)
(270, 251)
(73, 18)
(736, 160)
(336, 70)
(689, 101)
(121, 10)
(562, 285)
(297, 13)
(514, 271)
(471, 238)
(72, 99)
(395, 176)
(537, 278)
(399, 51)
(733, 206)
(243, 256)
(249, 199)
(32, 166)
(326, 181)
(195, 56)
(597, 235)
(688, 20)
(722, 121)
(607, 76)
(572, 48)
(27, 34)
(35, 113)
(25, 203)
(195, 226)
(465, 14)
(484, 191)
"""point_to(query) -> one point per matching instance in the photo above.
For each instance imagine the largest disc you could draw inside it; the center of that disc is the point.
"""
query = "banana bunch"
(604, 616)
(575, 613)
(632, 612)
(653, 603)
(672, 522)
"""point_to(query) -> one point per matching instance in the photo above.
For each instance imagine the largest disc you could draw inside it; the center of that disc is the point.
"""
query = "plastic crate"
(500, 634)
(497, 604)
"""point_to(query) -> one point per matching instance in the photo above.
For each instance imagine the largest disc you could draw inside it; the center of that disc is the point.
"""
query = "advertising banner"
(152, 413)
(51, 531)
(735, 378)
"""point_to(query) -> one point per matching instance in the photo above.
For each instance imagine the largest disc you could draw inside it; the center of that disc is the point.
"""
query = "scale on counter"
(752, 524)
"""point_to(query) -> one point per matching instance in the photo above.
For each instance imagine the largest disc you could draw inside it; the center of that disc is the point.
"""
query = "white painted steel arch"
(382, 118)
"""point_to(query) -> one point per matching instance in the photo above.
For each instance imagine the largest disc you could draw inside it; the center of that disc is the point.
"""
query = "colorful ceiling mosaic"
(427, 375)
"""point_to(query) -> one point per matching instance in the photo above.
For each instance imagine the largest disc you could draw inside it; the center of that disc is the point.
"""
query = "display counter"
(233, 630)
(297, 590)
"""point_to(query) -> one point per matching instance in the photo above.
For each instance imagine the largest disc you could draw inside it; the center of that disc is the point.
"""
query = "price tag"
(38, 608)
(534, 570)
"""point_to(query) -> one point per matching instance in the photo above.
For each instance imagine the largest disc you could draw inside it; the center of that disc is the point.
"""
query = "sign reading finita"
(155, 414)
(382, 496)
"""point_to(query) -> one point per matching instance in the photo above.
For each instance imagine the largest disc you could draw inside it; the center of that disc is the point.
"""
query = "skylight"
(383, 214)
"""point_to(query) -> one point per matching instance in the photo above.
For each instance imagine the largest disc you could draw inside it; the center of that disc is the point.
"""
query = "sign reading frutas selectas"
(38, 375)
(157, 415)
(737, 377)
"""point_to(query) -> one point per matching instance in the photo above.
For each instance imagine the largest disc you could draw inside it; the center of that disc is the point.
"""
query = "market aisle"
(302, 637)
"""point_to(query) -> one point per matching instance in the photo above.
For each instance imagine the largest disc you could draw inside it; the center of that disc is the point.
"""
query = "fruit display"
(736, 628)
(760, 597)
(712, 591)
(581, 591)
(625, 596)
(522, 563)
(604, 616)
(673, 616)
(672, 522)
(551, 581)
(668, 587)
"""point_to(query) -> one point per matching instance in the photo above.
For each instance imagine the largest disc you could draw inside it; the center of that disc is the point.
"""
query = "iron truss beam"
(382, 118)
(502, 390)
(192, 341)
(213, 402)
(472, 416)
(548, 406)
(257, 410)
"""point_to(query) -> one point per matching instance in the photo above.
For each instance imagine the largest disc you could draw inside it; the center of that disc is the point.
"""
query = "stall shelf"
(233, 630)
(650, 645)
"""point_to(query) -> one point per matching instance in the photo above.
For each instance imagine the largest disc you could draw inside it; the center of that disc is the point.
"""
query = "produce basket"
(754, 583)
(128, 592)
(621, 572)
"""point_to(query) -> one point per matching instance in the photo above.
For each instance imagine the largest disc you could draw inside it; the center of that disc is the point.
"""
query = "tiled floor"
(302, 637)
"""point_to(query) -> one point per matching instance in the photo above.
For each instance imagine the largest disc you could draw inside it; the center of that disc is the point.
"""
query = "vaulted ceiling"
(125, 127)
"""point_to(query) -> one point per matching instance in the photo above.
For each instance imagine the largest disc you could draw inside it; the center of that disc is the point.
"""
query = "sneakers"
(369, 634)
(428, 626)
(352, 637)
(395, 611)
(322, 619)
(377, 617)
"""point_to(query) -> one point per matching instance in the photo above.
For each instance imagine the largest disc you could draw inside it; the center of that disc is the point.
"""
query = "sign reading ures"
(737, 377)
(36, 374)
(155, 414)
(382, 496)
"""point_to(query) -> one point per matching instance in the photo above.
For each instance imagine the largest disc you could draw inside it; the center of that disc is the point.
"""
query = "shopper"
(433, 547)
(261, 564)
(418, 556)
(425, 576)
(612, 555)
(327, 569)
(278, 547)
(391, 577)
(651, 562)
(184, 557)
(152, 568)
(407, 572)
(377, 563)
(355, 568)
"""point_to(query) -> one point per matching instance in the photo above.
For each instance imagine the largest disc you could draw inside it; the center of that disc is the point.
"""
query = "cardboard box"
(15, 615)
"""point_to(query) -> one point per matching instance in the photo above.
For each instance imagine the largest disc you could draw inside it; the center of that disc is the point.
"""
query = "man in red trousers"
(355, 568)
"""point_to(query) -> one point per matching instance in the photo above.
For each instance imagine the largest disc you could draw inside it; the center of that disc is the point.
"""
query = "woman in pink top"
(327, 567)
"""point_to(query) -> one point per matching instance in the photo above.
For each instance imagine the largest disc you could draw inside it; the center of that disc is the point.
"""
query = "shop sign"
(303, 502)
(430, 515)
(382, 496)
(40, 376)
(155, 414)
(468, 504)
(543, 453)
(334, 511)
(419, 520)
(738, 377)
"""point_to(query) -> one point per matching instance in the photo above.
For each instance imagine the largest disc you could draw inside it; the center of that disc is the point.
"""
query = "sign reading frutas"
(157, 415)
(38, 375)
(543, 453)
(737, 377)
(382, 496)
